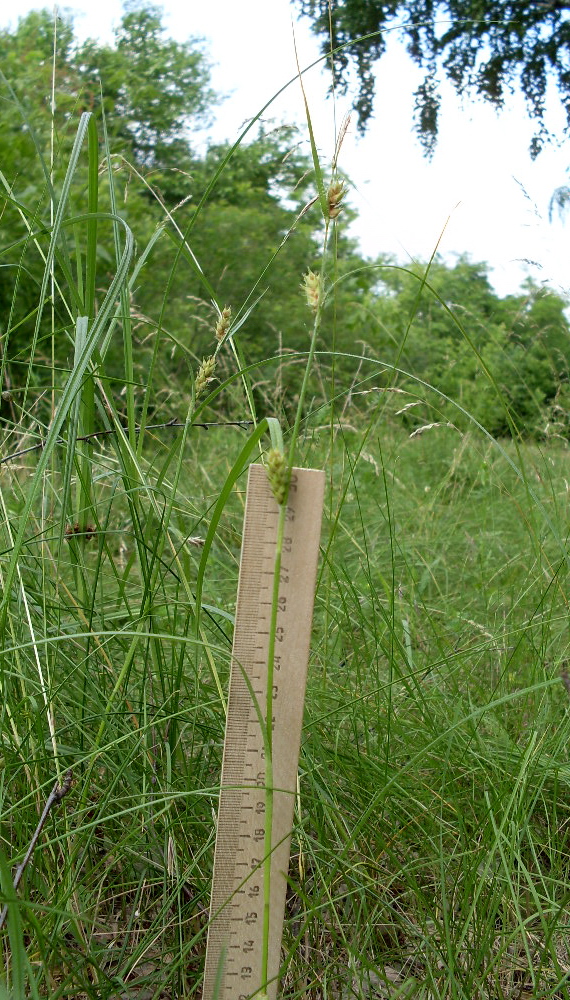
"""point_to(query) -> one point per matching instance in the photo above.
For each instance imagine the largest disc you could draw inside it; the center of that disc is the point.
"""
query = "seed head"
(335, 194)
(277, 474)
(312, 286)
(223, 324)
(205, 373)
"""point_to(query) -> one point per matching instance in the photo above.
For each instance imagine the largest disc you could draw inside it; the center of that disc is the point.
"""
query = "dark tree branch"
(484, 48)
(57, 793)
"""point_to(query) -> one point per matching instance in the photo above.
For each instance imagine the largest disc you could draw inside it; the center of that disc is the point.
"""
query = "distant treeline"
(234, 233)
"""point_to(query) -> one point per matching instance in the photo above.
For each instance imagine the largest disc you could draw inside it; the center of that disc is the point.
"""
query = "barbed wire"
(174, 422)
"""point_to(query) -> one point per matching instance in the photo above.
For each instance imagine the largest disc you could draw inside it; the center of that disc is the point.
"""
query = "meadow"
(430, 850)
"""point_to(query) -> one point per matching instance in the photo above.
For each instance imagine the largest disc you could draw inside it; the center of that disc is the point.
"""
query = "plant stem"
(269, 786)
(310, 359)
(58, 792)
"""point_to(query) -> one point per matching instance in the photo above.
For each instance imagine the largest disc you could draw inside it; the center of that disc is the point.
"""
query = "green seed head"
(205, 373)
(312, 287)
(277, 474)
(223, 324)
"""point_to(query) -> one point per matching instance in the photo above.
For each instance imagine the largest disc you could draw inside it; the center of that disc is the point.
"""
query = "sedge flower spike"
(335, 194)
(205, 373)
(312, 286)
(277, 475)
(223, 324)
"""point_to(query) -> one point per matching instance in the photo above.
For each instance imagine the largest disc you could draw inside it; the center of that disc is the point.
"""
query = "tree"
(484, 47)
(251, 236)
(253, 241)
(454, 330)
(155, 90)
(153, 86)
(29, 70)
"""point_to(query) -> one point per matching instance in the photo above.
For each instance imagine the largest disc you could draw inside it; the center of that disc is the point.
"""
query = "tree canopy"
(153, 87)
(484, 48)
(246, 245)
(505, 360)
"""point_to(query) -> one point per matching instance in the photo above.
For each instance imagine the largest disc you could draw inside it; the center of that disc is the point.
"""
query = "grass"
(430, 851)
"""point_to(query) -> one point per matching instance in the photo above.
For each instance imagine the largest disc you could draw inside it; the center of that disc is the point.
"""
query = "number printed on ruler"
(236, 927)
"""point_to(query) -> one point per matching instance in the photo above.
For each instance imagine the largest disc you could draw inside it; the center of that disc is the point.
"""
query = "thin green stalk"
(52, 210)
(310, 358)
(269, 788)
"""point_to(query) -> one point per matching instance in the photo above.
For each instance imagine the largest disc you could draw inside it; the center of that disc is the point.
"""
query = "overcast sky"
(481, 186)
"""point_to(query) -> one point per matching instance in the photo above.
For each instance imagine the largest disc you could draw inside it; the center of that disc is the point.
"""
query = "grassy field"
(430, 853)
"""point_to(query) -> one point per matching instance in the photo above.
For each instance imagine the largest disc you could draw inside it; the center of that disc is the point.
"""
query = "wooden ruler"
(233, 955)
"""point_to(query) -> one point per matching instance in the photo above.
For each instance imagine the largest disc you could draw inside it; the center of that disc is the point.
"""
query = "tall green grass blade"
(70, 390)
(245, 453)
(22, 980)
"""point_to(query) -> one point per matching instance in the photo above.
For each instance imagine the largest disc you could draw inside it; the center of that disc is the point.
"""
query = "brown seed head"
(335, 194)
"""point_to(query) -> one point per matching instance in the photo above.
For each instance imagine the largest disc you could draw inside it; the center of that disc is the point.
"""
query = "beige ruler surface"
(234, 950)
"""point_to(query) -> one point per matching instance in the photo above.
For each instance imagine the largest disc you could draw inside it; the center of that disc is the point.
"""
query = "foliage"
(195, 216)
(483, 48)
(504, 359)
(38, 125)
(155, 90)
(247, 204)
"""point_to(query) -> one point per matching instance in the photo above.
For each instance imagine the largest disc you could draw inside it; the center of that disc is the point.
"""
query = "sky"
(481, 193)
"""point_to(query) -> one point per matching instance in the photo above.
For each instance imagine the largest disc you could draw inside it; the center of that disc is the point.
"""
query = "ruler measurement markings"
(237, 928)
